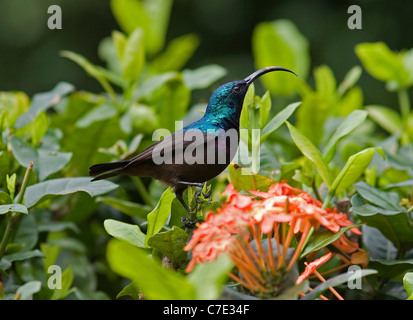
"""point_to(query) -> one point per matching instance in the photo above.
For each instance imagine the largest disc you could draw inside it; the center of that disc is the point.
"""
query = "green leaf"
(209, 278)
(129, 290)
(203, 77)
(153, 280)
(55, 187)
(11, 184)
(391, 268)
(125, 231)
(159, 216)
(335, 281)
(393, 224)
(45, 162)
(92, 70)
(323, 238)
(170, 243)
(243, 179)
(15, 207)
(325, 82)
(278, 120)
(102, 112)
(353, 169)
(67, 279)
(350, 123)
(386, 118)
(169, 94)
(152, 16)
(132, 209)
(310, 152)
(27, 290)
(133, 56)
(382, 63)
(291, 47)
(350, 79)
(5, 198)
(39, 128)
(43, 101)
(386, 200)
(264, 109)
(50, 254)
(177, 54)
(23, 255)
(408, 284)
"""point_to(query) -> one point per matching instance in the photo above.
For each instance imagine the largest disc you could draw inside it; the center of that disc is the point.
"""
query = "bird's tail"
(107, 170)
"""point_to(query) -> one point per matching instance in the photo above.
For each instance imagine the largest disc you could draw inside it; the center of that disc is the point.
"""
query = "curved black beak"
(260, 72)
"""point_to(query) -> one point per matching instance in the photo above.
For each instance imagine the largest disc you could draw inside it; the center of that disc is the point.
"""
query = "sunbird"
(198, 152)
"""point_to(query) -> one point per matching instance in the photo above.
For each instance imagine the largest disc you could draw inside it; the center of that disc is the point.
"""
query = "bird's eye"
(236, 89)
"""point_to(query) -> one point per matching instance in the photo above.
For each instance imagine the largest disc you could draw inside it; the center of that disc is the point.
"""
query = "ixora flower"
(255, 228)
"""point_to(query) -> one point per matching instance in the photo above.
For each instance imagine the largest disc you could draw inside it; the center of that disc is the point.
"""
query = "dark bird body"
(198, 152)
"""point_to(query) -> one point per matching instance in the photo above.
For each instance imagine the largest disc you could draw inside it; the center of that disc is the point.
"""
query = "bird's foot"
(207, 199)
(188, 223)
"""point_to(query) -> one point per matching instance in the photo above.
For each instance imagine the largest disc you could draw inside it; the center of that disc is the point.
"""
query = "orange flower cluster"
(281, 204)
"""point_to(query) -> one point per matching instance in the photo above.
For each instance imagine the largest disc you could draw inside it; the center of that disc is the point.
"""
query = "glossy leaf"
(203, 77)
(382, 63)
(159, 216)
(279, 120)
(55, 187)
(133, 56)
(349, 124)
(337, 280)
(176, 54)
(386, 118)
(408, 284)
(153, 280)
(125, 231)
(243, 179)
(27, 290)
(66, 282)
(393, 224)
(311, 152)
(45, 162)
(170, 243)
(132, 209)
(323, 238)
(15, 207)
(151, 16)
(209, 278)
(43, 101)
(102, 112)
(387, 200)
(281, 37)
(391, 268)
(353, 169)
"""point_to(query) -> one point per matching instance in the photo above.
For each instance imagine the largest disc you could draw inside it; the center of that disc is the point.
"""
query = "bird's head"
(228, 99)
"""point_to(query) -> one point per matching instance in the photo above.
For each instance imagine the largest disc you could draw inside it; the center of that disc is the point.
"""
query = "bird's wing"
(172, 145)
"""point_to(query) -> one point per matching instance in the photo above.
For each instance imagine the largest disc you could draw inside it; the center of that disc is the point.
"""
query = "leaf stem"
(15, 217)
(327, 200)
(142, 191)
(404, 103)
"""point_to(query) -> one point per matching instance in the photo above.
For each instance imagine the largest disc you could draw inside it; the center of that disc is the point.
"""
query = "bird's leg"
(196, 184)
(191, 221)
(187, 222)
(178, 195)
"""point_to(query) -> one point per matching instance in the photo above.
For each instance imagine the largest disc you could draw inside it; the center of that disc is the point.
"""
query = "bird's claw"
(191, 224)
(206, 196)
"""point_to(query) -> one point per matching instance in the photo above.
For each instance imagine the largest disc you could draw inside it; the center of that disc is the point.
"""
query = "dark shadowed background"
(29, 51)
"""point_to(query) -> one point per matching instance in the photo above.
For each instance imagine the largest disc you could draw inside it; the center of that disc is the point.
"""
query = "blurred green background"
(29, 51)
